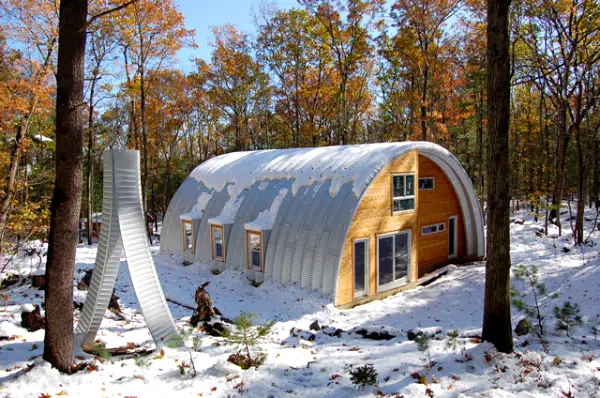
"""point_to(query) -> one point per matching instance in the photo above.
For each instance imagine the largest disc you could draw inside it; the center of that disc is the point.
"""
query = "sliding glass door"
(393, 259)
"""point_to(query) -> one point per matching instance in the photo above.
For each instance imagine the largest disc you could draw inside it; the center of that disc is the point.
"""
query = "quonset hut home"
(353, 222)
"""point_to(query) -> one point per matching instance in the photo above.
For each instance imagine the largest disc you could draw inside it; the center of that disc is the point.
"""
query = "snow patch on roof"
(266, 218)
(203, 200)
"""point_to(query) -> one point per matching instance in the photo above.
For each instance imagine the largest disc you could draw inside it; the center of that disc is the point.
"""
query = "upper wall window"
(218, 248)
(403, 192)
(187, 235)
(426, 183)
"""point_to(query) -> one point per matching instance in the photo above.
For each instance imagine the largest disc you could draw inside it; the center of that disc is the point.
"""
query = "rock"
(308, 336)
(522, 327)
(215, 329)
(315, 326)
(295, 332)
(384, 335)
(412, 335)
(113, 304)
(565, 249)
(333, 332)
(84, 283)
(38, 281)
(32, 319)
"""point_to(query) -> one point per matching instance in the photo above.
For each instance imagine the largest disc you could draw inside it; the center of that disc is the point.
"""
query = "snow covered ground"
(560, 366)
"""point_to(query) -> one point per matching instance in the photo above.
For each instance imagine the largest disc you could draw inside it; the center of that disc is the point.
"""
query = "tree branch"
(106, 12)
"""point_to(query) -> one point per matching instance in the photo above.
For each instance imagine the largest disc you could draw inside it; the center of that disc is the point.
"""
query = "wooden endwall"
(437, 206)
(374, 216)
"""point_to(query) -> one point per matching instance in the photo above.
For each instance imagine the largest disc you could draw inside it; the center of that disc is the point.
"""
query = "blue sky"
(201, 15)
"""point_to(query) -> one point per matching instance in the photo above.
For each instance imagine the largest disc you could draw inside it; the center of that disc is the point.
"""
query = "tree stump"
(31, 318)
(205, 311)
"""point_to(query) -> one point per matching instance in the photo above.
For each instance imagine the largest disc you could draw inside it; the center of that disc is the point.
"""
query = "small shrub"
(143, 361)
(100, 351)
(364, 376)
(245, 334)
(453, 341)
(595, 327)
(568, 317)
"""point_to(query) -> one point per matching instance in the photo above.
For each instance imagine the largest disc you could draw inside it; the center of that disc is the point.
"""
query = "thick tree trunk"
(66, 199)
(496, 315)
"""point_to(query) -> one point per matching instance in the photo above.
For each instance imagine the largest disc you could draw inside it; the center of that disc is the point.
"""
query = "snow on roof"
(192, 215)
(355, 164)
(202, 202)
(266, 218)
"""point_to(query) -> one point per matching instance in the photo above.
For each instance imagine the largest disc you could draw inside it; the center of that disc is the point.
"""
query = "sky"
(201, 15)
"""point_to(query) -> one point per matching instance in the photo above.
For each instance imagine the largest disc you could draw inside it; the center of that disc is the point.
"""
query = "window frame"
(396, 282)
(183, 237)
(365, 292)
(213, 244)
(249, 251)
(404, 197)
(426, 178)
(455, 238)
(437, 231)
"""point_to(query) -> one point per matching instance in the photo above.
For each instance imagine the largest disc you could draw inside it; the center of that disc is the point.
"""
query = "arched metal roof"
(324, 184)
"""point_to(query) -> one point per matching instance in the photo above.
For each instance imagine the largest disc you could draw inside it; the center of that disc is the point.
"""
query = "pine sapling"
(533, 312)
(568, 317)
(245, 334)
(363, 376)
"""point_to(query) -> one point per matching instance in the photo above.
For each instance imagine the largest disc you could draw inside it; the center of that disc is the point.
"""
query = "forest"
(323, 73)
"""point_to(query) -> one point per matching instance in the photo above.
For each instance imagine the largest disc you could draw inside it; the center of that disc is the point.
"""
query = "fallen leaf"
(213, 389)
(91, 368)
(488, 356)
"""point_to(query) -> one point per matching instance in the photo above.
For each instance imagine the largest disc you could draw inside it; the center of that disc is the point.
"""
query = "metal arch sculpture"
(123, 229)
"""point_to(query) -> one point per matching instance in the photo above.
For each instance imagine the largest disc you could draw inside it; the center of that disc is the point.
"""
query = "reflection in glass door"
(393, 259)
(361, 267)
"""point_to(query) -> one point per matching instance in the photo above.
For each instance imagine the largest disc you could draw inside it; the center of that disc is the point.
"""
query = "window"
(254, 250)
(187, 235)
(218, 250)
(361, 267)
(433, 229)
(393, 259)
(403, 192)
(426, 183)
(452, 237)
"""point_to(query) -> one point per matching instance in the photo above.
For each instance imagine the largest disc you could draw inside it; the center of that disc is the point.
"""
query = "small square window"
(426, 183)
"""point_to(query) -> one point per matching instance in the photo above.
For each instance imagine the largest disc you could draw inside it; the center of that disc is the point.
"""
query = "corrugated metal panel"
(276, 241)
(320, 206)
(295, 222)
(340, 224)
(123, 221)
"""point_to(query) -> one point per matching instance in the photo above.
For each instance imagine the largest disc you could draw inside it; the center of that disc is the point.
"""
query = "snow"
(265, 219)
(295, 366)
(356, 164)
(202, 202)
(192, 215)
(27, 307)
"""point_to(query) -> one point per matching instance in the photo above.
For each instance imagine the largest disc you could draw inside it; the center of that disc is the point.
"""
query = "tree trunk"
(562, 143)
(90, 164)
(424, 104)
(66, 198)
(496, 315)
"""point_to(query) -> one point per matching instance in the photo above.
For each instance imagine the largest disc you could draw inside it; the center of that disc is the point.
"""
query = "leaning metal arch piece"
(123, 228)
